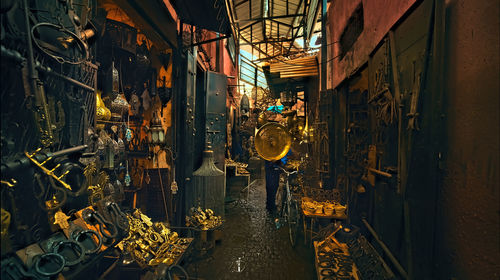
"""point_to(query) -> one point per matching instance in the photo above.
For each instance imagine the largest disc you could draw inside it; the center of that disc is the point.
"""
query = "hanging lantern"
(288, 98)
(156, 134)
(112, 82)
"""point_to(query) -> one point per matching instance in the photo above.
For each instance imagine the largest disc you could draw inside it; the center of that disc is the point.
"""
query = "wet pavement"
(249, 233)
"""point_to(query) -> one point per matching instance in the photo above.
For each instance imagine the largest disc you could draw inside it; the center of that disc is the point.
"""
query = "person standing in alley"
(272, 181)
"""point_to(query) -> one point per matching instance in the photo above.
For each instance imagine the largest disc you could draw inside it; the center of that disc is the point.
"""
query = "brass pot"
(102, 113)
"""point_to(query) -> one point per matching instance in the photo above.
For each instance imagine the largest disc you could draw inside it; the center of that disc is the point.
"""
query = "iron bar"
(249, 9)
(38, 66)
(255, 47)
(298, 29)
(210, 41)
(282, 23)
(386, 250)
(269, 18)
(249, 25)
(264, 14)
(324, 51)
(269, 41)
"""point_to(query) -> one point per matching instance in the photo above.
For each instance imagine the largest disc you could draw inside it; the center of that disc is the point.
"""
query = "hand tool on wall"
(41, 109)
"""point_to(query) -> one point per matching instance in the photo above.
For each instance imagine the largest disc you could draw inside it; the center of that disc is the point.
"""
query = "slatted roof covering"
(299, 67)
(270, 28)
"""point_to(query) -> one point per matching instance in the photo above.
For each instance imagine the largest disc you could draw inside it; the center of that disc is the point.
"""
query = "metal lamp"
(288, 98)
(156, 134)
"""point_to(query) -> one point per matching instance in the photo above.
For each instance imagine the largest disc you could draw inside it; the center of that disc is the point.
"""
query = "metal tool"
(49, 258)
(81, 235)
(106, 228)
(76, 247)
(47, 171)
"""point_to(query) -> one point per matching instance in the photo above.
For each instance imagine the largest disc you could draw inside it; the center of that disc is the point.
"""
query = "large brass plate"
(272, 141)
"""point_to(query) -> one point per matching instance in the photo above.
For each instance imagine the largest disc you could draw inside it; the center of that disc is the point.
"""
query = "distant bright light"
(314, 38)
(300, 41)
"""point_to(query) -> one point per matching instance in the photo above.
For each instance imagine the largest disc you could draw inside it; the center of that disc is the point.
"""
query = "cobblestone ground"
(249, 233)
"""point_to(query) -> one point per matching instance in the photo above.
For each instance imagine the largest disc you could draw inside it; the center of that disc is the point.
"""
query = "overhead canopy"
(206, 14)
(299, 67)
(271, 28)
(152, 18)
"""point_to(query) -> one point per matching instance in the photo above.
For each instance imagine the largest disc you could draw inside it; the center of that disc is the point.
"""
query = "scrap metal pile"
(151, 244)
(204, 220)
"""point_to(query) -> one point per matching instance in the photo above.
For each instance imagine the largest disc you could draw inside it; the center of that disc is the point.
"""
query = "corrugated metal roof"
(270, 33)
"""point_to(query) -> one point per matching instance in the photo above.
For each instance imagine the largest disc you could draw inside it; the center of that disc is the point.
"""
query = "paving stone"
(266, 253)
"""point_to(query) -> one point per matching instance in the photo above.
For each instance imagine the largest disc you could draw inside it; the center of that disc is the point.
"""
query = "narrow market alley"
(250, 233)
(250, 139)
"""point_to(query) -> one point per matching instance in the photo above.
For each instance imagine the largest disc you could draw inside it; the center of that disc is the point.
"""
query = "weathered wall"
(468, 237)
(462, 230)
(382, 15)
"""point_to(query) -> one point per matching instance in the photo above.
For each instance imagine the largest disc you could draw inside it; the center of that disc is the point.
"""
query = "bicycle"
(288, 208)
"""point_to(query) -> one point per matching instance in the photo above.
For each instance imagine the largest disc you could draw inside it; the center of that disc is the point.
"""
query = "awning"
(299, 67)
(206, 14)
(152, 18)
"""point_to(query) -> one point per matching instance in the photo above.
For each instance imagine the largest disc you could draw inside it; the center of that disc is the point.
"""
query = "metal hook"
(11, 183)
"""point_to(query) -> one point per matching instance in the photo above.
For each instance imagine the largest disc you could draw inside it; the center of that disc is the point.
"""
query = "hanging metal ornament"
(118, 107)
(128, 134)
(173, 187)
(146, 100)
(135, 105)
(127, 177)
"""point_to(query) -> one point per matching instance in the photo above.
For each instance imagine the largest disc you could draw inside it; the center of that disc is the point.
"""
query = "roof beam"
(264, 13)
(302, 23)
(249, 10)
(282, 23)
(269, 18)
(249, 25)
(255, 47)
(268, 41)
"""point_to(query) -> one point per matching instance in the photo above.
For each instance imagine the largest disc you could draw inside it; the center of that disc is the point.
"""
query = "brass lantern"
(288, 97)
(156, 134)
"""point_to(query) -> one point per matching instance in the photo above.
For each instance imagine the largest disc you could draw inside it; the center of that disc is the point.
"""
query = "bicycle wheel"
(280, 198)
(293, 220)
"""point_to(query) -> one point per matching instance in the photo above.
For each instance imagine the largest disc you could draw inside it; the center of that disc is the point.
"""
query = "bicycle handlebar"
(287, 172)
